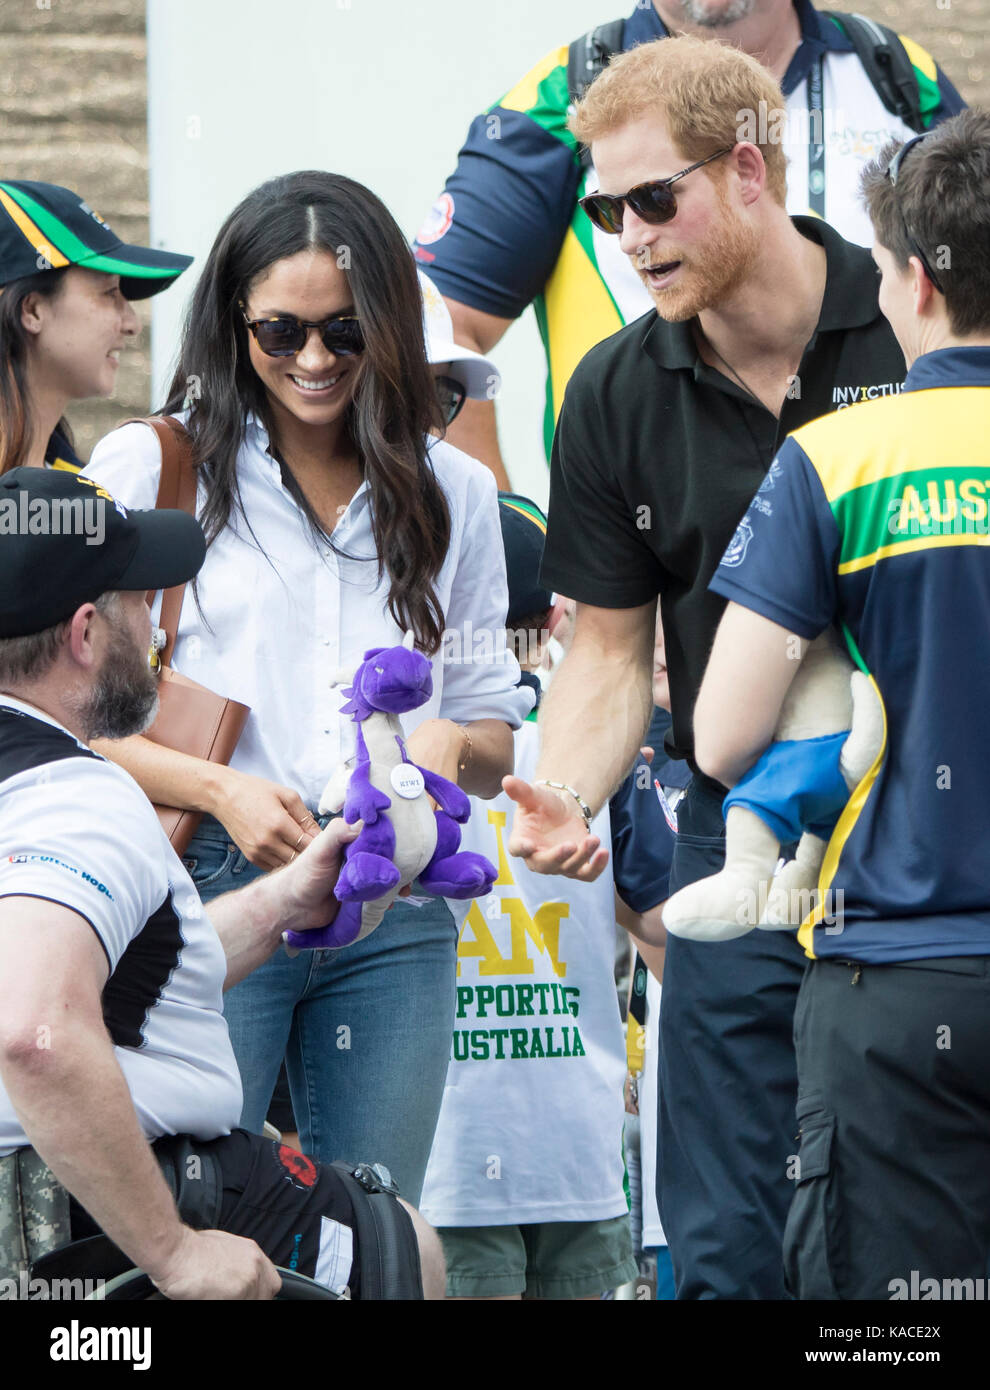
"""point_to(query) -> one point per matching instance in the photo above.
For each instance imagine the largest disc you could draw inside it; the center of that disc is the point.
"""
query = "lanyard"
(816, 138)
(636, 1024)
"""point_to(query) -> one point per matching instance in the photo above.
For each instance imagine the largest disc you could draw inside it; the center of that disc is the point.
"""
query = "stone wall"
(957, 35)
(73, 111)
(73, 98)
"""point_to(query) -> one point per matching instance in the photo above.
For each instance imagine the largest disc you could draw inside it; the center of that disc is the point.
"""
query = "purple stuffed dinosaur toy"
(402, 838)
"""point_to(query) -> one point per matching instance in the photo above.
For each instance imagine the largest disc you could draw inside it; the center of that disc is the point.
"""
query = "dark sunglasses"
(286, 335)
(892, 171)
(452, 396)
(652, 202)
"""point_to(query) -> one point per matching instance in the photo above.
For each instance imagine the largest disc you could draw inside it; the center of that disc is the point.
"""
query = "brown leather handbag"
(191, 719)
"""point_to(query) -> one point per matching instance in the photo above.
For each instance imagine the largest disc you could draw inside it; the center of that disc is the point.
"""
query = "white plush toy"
(828, 736)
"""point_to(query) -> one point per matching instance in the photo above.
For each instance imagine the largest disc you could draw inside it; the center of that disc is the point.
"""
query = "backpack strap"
(586, 57)
(887, 65)
(390, 1267)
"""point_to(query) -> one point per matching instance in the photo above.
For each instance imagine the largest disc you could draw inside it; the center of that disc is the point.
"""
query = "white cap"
(478, 375)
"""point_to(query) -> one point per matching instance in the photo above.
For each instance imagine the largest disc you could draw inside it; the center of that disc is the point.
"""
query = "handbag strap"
(176, 491)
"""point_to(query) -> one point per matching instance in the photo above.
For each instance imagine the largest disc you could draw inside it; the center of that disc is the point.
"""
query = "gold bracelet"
(470, 748)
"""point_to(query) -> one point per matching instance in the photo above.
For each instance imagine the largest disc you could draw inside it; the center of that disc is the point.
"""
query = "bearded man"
(763, 322)
(116, 1070)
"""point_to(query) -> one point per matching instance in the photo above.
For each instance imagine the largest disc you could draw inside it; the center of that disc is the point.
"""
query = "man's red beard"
(710, 272)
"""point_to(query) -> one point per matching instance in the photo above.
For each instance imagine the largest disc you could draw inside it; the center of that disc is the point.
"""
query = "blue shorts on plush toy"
(795, 786)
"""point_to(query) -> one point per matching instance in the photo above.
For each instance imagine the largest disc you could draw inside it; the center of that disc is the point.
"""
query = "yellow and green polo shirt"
(877, 519)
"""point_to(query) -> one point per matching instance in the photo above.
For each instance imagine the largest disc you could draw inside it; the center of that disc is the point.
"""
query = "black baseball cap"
(524, 530)
(46, 227)
(64, 541)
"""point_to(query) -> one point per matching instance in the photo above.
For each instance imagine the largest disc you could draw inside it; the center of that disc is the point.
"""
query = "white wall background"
(380, 90)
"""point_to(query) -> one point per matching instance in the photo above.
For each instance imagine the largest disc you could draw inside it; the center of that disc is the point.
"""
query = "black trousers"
(893, 1173)
(727, 1088)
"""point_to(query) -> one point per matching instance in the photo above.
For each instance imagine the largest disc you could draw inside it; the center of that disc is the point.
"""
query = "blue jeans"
(365, 1031)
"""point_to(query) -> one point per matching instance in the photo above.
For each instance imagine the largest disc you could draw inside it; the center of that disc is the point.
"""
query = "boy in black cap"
(66, 282)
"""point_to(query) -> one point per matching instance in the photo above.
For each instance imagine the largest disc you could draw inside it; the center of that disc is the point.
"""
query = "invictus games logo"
(843, 396)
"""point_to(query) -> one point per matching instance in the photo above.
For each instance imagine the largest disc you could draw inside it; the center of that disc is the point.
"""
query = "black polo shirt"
(657, 457)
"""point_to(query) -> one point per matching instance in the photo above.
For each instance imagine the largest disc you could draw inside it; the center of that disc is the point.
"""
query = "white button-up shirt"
(281, 614)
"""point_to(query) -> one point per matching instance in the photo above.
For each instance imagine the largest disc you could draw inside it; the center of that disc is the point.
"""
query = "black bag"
(384, 1232)
(386, 1239)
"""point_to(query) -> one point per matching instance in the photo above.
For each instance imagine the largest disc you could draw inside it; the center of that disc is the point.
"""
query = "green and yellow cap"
(46, 227)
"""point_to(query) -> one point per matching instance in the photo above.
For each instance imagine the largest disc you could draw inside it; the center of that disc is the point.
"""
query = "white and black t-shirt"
(76, 830)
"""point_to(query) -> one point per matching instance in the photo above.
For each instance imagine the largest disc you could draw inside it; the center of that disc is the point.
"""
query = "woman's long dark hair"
(395, 400)
(16, 416)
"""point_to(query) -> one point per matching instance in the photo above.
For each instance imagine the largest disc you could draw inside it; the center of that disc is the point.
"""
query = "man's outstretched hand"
(548, 832)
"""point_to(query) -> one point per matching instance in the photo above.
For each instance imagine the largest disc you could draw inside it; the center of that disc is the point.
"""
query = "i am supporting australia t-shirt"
(531, 1123)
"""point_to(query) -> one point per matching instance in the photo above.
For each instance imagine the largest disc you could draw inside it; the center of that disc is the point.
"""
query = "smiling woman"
(337, 521)
(66, 282)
